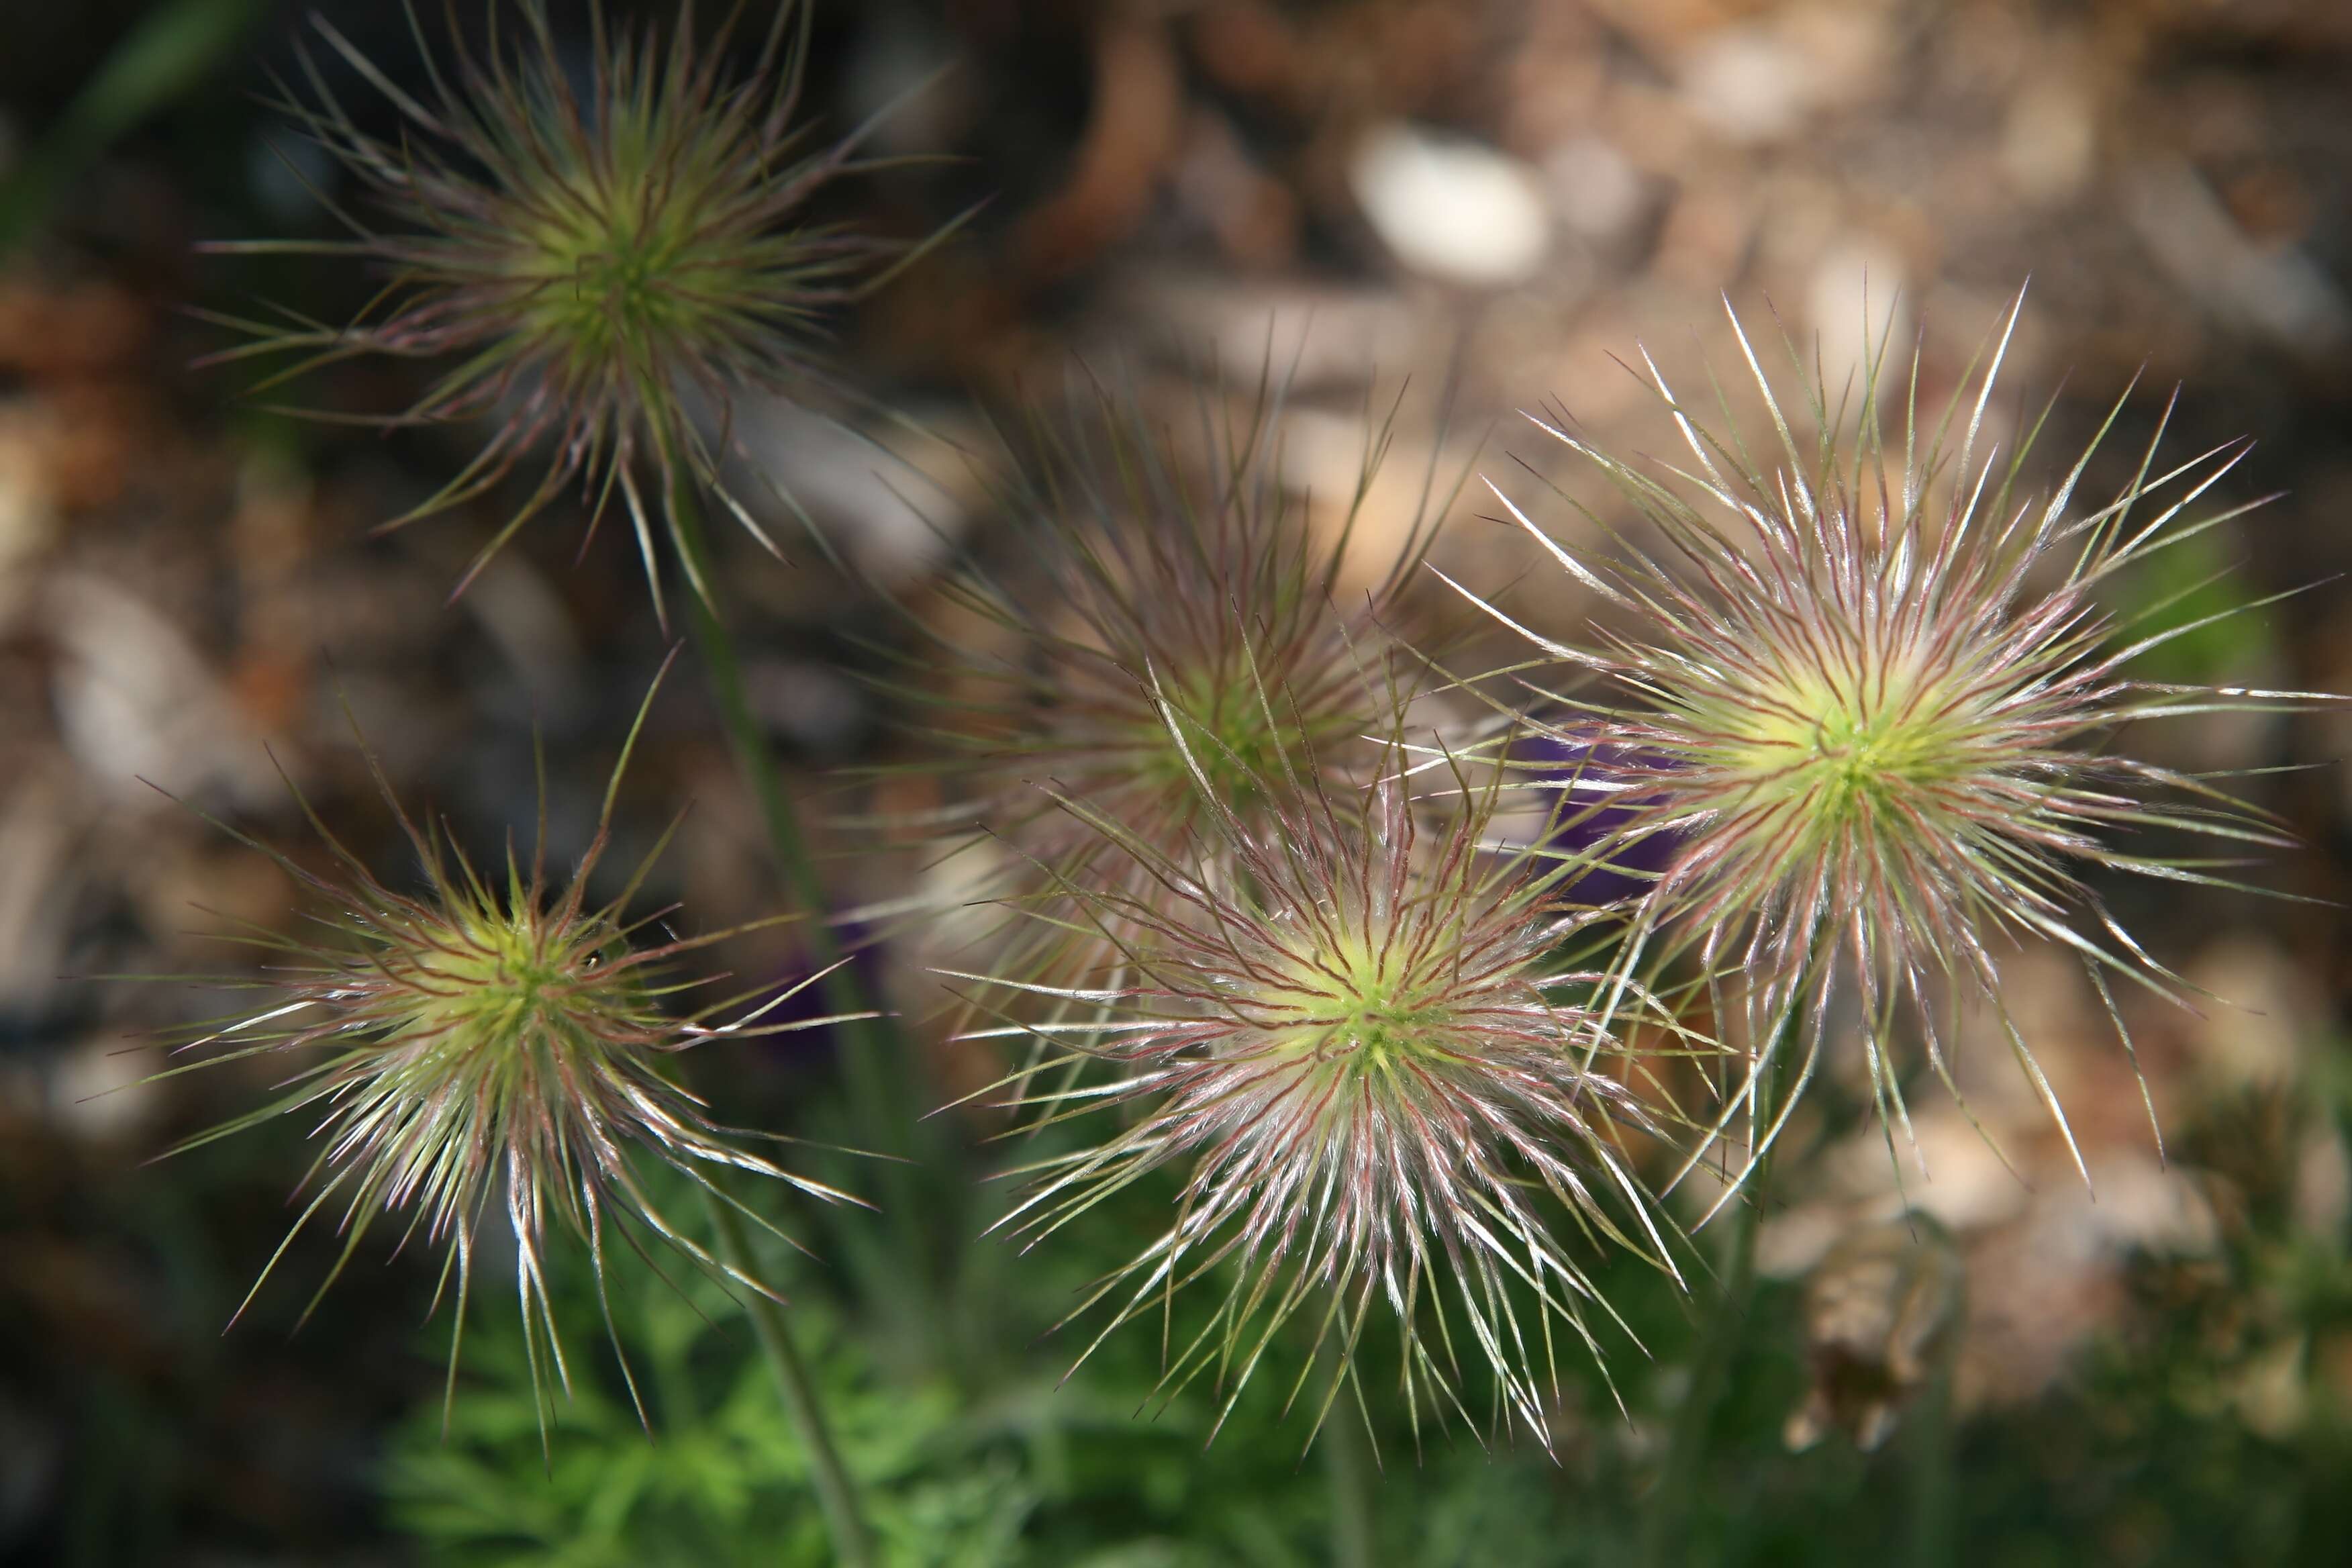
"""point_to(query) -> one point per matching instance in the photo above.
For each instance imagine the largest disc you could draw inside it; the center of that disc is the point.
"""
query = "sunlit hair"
(1869, 692)
(1382, 1081)
(591, 259)
(490, 1044)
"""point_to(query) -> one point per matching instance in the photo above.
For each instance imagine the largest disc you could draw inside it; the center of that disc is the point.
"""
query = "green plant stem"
(844, 1520)
(906, 1275)
(1347, 1458)
(873, 1080)
(1679, 1483)
(1675, 1503)
(1933, 1491)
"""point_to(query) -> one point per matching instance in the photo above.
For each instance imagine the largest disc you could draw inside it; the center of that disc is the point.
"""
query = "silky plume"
(1386, 1087)
(1874, 689)
(493, 1047)
(595, 263)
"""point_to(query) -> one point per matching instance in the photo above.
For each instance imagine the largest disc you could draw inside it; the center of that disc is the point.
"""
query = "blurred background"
(1483, 204)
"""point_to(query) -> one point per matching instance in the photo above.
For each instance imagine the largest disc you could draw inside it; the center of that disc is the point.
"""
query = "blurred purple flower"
(1594, 791)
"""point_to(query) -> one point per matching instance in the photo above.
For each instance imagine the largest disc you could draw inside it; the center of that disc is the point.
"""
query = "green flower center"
(1235, 741)
(508, 981)
(610, 280)
(1360, 1015)
(617, 252)
(1867, 751)
(1853, 747)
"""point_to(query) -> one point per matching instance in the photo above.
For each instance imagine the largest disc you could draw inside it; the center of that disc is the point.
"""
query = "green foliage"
(2198, 591)
(2160, 1451)
(168, 55)
(1009, 1466)
(720, 1479)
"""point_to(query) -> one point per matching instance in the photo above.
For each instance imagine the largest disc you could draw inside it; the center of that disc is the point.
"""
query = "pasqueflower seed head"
(488, 1044)
(588, 258)
(1382, 1081)
(1869, 695)
(1176, 612)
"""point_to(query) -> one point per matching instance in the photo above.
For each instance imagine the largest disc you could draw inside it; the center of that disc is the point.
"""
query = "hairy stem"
(1347, 1458)
(844, 1520)
(1674, 1504)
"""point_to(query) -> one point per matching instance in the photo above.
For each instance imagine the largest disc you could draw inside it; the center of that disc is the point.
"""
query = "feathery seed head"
(1865, 693)
(1196, 624)
(487, 1042)
(1377, 1073)
(590, 257)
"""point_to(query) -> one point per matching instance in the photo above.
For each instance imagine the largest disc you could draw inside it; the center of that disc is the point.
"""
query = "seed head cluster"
(1858, 715)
